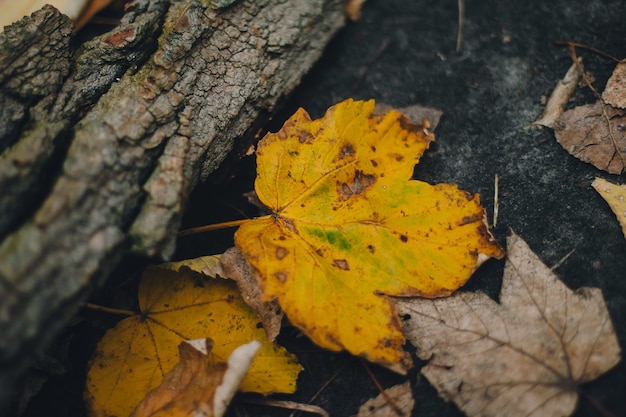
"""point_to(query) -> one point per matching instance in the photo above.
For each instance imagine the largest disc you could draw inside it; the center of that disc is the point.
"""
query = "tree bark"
(101, 147)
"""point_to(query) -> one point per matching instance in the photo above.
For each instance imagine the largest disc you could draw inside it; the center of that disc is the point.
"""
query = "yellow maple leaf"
(132, 358)
(348, 225)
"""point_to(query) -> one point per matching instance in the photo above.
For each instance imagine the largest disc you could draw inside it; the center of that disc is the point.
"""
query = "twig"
(562, 260)
(496, 206)
(110, 310)
(459, 33)
(214, 226)
(573, 45)
(291, 405)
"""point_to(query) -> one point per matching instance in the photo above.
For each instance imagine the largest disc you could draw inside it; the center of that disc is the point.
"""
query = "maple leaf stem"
(386, 396)
(214, 226)
(597, 404)
(97, 307)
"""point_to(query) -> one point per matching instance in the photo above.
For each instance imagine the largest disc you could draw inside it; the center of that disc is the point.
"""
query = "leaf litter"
(594, 133)
(523, 357)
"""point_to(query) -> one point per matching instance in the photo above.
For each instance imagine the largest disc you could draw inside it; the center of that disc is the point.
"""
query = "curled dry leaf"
(560, 95)
(197, 386)
(523, 357)
(595, 133)
(615, 196)
(397, 401)
(132, 358)
(236, 268)
(348, 225)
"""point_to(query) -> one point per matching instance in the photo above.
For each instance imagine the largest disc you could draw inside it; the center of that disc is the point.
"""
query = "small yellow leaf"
(207, 265)
(348, 225)
(132, 358)
(615, 195)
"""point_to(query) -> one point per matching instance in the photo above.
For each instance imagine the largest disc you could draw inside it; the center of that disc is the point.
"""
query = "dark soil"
(403, 53)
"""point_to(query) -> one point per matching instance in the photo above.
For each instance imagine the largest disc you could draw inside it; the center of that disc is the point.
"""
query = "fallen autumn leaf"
(132, 358)
(523, 357)
(593, 134)
(348, 225)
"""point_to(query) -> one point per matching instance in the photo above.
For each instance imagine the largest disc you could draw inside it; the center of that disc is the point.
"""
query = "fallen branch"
(100, 148)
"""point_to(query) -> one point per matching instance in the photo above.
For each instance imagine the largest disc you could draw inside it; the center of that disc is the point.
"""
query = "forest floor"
(403, 53)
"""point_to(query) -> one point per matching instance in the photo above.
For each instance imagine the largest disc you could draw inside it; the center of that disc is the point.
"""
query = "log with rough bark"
(100, 146)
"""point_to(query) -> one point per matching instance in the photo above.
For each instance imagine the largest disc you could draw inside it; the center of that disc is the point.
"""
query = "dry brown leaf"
(397, 401)
(615, 91)
(593, 136)
(236, 268)
(196, 386)
(523, 357)
(414, 112)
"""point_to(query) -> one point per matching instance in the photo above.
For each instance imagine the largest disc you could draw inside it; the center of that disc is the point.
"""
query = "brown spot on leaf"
(304, 136)
(374, 163)
(357, 185)
(341, 264)
(407, 124)
(371, 248)
(281, 253)
(281, 276)
(404, 238)
(471, 219)
(347, 150)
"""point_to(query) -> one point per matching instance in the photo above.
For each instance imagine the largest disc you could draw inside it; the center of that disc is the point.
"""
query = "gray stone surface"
(403, 52)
